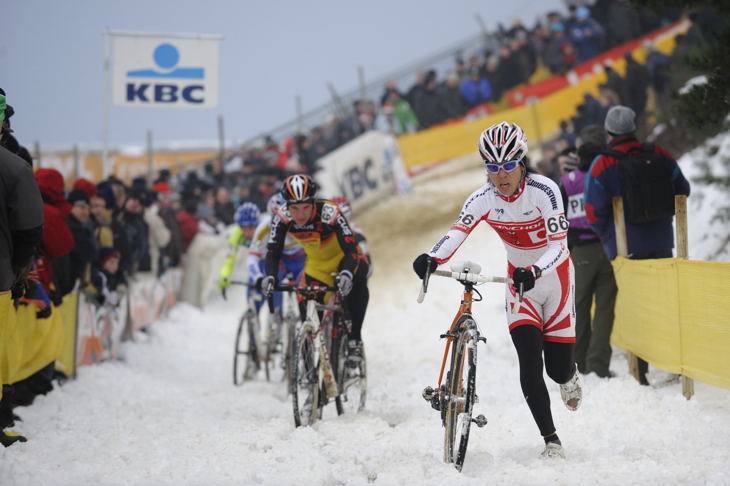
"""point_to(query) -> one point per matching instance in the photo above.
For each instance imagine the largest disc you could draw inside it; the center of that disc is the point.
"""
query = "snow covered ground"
(709, 236)
(169, 414)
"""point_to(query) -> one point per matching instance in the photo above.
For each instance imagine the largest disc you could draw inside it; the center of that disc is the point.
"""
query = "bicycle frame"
(455, 399)
(464, 308)
(313, 325)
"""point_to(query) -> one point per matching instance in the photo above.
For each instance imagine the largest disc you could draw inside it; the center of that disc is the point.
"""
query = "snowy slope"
(169, 415)
(709, 237)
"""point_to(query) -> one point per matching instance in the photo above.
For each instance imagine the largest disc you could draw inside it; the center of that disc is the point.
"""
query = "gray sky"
(51, 53)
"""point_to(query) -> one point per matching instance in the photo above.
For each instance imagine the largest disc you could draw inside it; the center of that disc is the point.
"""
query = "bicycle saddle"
(463, 266)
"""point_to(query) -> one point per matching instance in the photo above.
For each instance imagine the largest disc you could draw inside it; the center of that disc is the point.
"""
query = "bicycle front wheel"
(305, 379)
(460, 395)
(245, 358)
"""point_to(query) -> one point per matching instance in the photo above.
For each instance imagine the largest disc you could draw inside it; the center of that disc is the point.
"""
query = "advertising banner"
(159, 71)
(364, 170)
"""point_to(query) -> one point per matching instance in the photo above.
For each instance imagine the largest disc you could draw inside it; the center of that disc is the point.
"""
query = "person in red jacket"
(188, 222)
(57, 240)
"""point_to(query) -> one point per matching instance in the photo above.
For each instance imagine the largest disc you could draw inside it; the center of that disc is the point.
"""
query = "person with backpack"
(647, 178)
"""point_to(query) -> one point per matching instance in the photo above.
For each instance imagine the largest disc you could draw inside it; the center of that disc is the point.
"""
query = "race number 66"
(557, 223)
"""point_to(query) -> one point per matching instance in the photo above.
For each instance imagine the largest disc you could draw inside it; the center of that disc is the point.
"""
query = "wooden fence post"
(622, 250)
(680, 209)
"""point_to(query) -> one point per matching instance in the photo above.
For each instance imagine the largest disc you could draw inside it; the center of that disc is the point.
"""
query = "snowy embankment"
(169, 415)
(709, 234)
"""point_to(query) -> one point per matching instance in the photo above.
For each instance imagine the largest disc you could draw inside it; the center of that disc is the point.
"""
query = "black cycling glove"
(525, 276)
(424, 263)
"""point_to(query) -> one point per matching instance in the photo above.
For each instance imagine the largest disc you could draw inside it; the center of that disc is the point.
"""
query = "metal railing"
(341, 107)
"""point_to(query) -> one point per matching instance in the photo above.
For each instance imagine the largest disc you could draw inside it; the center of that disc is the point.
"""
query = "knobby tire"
(305, 379)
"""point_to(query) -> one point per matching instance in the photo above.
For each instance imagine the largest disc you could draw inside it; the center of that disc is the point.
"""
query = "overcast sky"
(52, 52)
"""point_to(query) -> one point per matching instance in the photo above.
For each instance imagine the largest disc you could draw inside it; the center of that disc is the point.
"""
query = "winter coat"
(588, 38)
(159, 236)
(637, 83)
(21, 217)
(475, 92)
(83, 254)
(452, 101)
(188, 228)
(602, 185)
(57, 239)
(432, 112)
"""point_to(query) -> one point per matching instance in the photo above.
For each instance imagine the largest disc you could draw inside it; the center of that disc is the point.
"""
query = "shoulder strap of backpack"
(614, 153)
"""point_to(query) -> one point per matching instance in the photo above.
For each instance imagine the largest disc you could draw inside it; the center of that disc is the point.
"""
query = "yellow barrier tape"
(673, 314)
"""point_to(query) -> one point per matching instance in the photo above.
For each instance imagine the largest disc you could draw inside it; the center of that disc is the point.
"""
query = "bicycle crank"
(432, 397)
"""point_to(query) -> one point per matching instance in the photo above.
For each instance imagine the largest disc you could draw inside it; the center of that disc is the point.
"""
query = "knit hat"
(87, 186)
(620, 120)
(161, 187)
(106, 253)
(77, 197)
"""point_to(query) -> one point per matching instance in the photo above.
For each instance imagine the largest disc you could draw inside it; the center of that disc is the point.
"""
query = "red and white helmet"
(502, 142)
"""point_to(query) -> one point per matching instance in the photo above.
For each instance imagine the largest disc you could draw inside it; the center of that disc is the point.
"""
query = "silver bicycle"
(321, 368)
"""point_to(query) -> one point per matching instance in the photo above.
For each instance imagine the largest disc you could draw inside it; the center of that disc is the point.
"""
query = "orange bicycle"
(455, 398)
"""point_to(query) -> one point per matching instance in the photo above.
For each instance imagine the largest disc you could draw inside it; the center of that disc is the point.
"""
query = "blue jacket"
(476, 93)
(602, 185)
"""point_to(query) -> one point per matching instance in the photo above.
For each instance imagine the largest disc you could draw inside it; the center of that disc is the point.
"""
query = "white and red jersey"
(531, 223)
(533, 228)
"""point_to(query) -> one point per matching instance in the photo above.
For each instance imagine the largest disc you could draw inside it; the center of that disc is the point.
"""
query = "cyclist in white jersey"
(526, 210)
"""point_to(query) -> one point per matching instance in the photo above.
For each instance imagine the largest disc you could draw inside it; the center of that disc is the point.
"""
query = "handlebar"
(467, 278)
(471, 277)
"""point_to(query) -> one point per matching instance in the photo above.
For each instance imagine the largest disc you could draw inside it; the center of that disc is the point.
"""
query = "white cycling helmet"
(502, 142)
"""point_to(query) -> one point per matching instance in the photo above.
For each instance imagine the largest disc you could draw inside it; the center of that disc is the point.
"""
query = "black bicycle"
(265, 347)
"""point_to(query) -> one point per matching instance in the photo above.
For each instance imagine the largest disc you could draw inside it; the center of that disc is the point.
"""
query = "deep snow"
(169, 414)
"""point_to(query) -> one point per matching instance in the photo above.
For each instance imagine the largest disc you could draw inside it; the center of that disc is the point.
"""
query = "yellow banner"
(673, 314)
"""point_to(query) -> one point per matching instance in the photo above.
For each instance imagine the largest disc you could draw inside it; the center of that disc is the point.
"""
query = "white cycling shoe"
(553, 450)
(571, 392)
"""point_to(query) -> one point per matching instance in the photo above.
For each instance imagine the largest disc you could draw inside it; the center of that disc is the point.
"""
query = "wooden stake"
(622, 250)
(680, 209)
(622, 247)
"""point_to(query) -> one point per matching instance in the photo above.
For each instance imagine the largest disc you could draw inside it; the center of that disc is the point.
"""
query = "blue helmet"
(247, 214)
(275, 202)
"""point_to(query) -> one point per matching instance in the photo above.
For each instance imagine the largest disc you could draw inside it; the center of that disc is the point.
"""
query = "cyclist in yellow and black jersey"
(330, 246)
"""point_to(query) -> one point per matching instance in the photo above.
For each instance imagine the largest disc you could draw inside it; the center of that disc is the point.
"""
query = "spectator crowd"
(99, 236)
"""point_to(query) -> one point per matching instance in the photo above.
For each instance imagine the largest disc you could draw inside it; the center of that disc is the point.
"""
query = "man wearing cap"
(654, 239)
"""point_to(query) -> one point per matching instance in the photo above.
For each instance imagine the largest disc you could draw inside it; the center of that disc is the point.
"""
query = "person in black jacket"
(84, 251)
(21, 227)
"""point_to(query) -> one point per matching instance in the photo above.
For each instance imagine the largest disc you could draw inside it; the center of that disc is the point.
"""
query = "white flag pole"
(105, 150)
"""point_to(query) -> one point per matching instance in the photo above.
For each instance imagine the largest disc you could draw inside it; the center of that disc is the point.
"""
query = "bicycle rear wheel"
(245, 358)
(460, 395)
(305, 379)
(276, 363)
(352, 380)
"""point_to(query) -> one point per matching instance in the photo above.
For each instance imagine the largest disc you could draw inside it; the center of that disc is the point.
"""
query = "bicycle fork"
(330, 384)
(440, 398)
